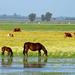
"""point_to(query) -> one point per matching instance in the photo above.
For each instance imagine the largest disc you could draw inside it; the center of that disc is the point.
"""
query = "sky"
(65, 8)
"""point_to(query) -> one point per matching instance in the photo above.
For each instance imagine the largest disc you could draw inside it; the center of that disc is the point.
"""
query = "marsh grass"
(55, 42)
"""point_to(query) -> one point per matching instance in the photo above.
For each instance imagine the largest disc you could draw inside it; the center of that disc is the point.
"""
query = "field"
(50, 35)
(37, 27)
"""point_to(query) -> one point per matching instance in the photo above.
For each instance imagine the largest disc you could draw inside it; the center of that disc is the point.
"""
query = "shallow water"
(39, 65)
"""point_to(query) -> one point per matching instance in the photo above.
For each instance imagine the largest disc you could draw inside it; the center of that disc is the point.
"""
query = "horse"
(17, 30)
(67, 34)
(11, 35)
(34, 47)
(8, 49)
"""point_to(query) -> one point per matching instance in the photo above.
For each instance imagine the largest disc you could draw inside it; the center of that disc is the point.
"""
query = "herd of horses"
(28, 45)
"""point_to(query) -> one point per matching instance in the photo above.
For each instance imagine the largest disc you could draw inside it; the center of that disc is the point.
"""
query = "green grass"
(37, 27)
(54, 41)
(39, 73)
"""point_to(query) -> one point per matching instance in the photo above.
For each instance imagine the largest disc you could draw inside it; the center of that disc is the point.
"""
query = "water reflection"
(37, 64)
(34, 64)
(7, 61)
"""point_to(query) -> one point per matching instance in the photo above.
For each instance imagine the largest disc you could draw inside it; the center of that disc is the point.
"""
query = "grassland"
(51, 36)
(38, 27)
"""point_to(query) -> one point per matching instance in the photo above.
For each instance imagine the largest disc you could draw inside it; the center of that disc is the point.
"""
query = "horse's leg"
(8, 53)
(25, 52)
(11, 53)
(45, 51)
(39, 52)
(3, 53)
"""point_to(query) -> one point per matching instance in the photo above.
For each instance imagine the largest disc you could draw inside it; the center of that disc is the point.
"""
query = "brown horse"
(8, 49)
(67, 34)
(34, 47)
(17, 30)
(11, 35)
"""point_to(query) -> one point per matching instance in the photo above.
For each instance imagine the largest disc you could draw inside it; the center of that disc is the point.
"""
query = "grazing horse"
(68, 34)
(8, 49)
(17, 30)
(34, 47)
(11, 35)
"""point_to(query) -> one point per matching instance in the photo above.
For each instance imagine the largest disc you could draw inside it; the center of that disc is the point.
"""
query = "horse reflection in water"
(7, 62)
(39, 64)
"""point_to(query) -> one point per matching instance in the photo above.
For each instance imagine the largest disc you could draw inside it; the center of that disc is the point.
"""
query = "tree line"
(44, 17)
(31, 17)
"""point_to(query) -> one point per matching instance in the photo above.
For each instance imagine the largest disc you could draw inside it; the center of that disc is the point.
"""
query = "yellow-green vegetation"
(55, 42)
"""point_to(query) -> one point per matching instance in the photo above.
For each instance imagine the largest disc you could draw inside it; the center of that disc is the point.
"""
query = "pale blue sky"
(24, 7)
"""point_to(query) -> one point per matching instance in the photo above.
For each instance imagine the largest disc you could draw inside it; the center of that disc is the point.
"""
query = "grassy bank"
(40, 73)
(54, 41)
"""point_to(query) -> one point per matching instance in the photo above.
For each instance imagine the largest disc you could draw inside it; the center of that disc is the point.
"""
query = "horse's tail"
(44, 49)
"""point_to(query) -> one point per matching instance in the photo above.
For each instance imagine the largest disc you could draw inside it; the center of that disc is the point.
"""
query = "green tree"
(43, 17)
(48, 16)
(32, 16)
